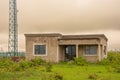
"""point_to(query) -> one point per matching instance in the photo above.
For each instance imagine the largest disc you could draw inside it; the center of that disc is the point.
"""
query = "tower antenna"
(13, 28)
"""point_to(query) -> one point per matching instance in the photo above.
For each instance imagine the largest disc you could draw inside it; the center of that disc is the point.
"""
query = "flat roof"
(88, 36)
(43, 35)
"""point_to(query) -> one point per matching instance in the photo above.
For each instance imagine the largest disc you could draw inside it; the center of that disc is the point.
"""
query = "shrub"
(23, 64)
(6, 63)
(93, 76)
(105, 62)
(117, 68)
(17, 58)
(48, 67)
(70, 62)
(108, 68)
(37, 62)
(80, 61)
(14, 67)
(112, 59)
(58, 76)
(17, 63)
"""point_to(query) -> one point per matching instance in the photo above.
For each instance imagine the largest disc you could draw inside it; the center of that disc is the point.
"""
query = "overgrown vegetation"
(12, 64)
(48, 66)
(113, 60)
(80, 61)
(58, 76)
(78, 69)
(93, 76)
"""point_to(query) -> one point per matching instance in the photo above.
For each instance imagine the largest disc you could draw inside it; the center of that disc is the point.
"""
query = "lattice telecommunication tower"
(13, 28)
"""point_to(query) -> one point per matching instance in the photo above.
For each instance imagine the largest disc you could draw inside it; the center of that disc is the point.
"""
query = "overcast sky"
(64, 16)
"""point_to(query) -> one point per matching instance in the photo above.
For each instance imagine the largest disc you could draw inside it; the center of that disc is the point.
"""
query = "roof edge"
(43, 34)
(66, 36)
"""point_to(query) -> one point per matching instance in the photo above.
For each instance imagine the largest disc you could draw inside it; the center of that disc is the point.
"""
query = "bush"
(23, 64)
(6, 63)
(48, 67)
(17, 58)
(58, 76)
(116, 68)
(37, 62)
(18, 63)
(109, 68)
(70, 62)
(80, 61)
(112, 59)
(105, 62)
(93, 76)
(14, 67)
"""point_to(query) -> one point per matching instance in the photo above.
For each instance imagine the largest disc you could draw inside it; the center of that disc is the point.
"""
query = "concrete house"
(56, 47)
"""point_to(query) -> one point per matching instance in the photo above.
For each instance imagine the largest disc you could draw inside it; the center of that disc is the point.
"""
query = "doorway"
(70, 52)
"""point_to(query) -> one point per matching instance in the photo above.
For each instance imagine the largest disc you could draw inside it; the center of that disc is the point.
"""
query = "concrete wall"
(91, 58)
(61, 53)
(81, 52)
(51, 47)
(81, 45)
(55, 47)
(83, 41)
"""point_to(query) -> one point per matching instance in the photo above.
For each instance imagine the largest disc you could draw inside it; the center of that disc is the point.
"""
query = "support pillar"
(99, 52)
(102, 52)
(57, 53)
(77, 51)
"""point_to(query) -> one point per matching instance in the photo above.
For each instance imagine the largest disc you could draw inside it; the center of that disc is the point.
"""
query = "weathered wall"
(55, 47)
(83, 41)
(61, 53)
(91, 58)
(103, 51)
(51, 47)
(80, 50)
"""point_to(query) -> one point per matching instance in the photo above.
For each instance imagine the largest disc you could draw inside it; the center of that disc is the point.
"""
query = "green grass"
(74, 72)
(68, 71)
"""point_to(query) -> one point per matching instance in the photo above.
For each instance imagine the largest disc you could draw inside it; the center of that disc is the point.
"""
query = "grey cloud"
(69, 15)
(66, 16)
(63, 15)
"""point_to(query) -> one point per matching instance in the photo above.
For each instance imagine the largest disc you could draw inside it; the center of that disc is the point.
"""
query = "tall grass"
(37, 69)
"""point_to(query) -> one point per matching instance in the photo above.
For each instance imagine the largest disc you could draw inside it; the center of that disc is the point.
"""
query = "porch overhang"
(79, 41)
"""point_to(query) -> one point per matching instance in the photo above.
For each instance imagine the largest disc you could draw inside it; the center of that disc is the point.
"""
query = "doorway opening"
(70, 52)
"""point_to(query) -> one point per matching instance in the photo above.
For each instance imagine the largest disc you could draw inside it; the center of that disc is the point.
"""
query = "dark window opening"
(40, 49)
(91, 49)
(70, 52)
